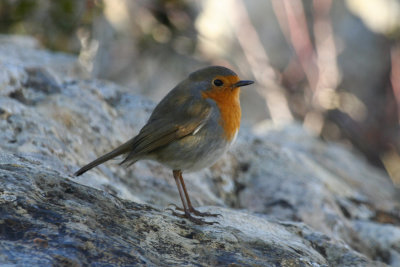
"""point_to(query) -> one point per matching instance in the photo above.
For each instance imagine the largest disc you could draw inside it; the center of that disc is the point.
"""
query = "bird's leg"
(191, 209)
(176, 177)
(187, 215)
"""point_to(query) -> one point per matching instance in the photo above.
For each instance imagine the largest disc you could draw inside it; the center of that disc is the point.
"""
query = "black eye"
(218, 82)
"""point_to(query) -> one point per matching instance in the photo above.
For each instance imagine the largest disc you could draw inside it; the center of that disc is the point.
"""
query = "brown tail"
(122, 149)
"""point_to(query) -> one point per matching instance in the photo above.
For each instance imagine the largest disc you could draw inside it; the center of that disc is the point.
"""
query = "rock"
(285, 198)
(383, 238)
(47, 219)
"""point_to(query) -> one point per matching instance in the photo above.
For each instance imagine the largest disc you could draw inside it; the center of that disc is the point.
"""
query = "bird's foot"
(194, 220)
(196, 212)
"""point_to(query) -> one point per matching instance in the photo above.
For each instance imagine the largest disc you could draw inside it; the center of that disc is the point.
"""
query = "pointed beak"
(242, 83)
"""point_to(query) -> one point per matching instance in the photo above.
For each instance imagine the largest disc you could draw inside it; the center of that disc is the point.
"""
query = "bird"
(188, 130)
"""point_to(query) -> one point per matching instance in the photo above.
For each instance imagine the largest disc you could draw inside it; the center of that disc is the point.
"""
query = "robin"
(189, 129)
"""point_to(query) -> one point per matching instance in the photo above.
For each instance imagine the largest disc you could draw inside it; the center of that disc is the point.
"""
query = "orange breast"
(229, 106)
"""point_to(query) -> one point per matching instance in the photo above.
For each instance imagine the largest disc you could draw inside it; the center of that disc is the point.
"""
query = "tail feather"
(122, 149)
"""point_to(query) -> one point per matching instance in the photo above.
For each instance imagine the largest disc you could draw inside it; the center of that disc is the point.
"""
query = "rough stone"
(285, 198)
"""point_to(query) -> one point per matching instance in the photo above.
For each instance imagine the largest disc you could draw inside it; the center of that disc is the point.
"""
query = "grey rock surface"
(286, 198)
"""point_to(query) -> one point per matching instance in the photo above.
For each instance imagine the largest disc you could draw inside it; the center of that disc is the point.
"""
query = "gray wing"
(179, 114)
(176, 116)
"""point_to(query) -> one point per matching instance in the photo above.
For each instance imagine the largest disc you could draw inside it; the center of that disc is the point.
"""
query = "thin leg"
(189, 203)
(176, 177)
(187, 215)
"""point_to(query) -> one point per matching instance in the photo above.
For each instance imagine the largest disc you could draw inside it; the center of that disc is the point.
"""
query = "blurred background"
(333, 66)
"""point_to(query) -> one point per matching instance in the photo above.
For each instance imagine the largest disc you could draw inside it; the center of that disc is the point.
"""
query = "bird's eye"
(218, 82)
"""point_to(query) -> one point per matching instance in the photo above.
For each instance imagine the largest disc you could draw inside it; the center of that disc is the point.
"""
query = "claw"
(189, 217)
(187, 205)
(196, 212)
(203, 214)
(194, 220)
(175, 206)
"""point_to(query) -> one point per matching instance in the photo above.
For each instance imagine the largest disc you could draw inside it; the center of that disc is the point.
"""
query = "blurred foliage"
(173, 21)
(54, 23)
